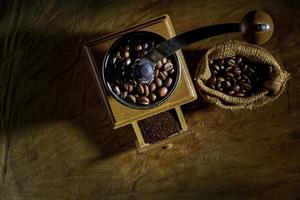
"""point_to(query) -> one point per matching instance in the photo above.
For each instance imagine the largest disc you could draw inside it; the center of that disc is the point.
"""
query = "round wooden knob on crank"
(257, 27)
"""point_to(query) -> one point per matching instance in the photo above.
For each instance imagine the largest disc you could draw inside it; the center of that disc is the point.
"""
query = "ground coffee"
(159, 127)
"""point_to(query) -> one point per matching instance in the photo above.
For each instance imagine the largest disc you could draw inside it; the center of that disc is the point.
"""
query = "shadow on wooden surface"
(192, 58)
(57, 86)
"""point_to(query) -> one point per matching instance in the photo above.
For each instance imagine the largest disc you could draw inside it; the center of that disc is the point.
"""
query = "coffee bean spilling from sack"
(132, 90)
(237, 76)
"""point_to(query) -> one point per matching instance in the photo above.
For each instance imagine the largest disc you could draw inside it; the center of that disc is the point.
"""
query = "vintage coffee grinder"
(256, 27)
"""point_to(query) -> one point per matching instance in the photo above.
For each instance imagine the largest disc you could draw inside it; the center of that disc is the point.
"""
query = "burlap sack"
(271, 90)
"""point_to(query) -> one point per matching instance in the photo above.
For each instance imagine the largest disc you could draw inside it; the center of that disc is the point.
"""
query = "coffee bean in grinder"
(143, 79)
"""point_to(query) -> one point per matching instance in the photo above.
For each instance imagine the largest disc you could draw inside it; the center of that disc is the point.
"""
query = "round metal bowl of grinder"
(117, 72)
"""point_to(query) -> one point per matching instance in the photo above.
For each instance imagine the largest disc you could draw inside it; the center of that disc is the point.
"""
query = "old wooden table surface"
(55, 140)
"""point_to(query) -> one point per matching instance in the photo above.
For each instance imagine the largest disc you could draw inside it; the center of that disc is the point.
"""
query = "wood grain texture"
(60, 142)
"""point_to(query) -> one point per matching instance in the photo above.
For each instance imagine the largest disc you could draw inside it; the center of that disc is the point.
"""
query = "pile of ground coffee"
(159, 127)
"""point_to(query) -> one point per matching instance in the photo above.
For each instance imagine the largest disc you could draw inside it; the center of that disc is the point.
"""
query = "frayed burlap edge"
(273, 88)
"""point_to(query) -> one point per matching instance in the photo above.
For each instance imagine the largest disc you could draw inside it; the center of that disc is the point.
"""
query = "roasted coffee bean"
(247, 80)
(239, 60)
(246, 86)
(152, 97)
(159, 65)
(172, 71)
(218, 85)
(212, 80)
(162, 91)
(167, 66)
(152, 87)
(140, 89)
(216, 67)
(236, 88)
(242, 81)
(126, 86)
(156, 73)
(114, 60)
(240, 94)
(146, 90)
(210, 62)
(227, 84)
(116, 90)
(158, 82)
(143, 100)
(117, 54)
(164, 60)
(130, 87)
(232, 81)
(126, 54)
(270, 70)
(251, 69)
(165, 73)
(161, 76)
(137, 95)
(139, 47)
(124, 94)
(131, 98)
(231, 92)
(245, 68)
(237, 71)
(145, 45)
(221, 89)
(228, 69)
(244, 76)
(127, 61)
(231, 62)
(220, 79)
(222, 67)
(215, 72)
(229, 74)
(152, 45)
(212, 86)
(167, 83)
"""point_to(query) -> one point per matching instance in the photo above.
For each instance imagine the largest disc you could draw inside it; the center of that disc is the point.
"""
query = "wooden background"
(55, 140)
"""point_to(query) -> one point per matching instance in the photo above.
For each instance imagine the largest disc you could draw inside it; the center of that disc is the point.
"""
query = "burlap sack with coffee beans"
(271, 90)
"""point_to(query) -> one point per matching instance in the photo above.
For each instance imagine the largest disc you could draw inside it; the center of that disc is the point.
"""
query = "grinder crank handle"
(256, 26)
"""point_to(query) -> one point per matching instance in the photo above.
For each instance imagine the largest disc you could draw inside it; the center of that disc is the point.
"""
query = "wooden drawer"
(121, 115)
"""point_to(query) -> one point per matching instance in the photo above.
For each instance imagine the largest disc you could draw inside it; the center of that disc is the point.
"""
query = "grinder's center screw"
(143, 70)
